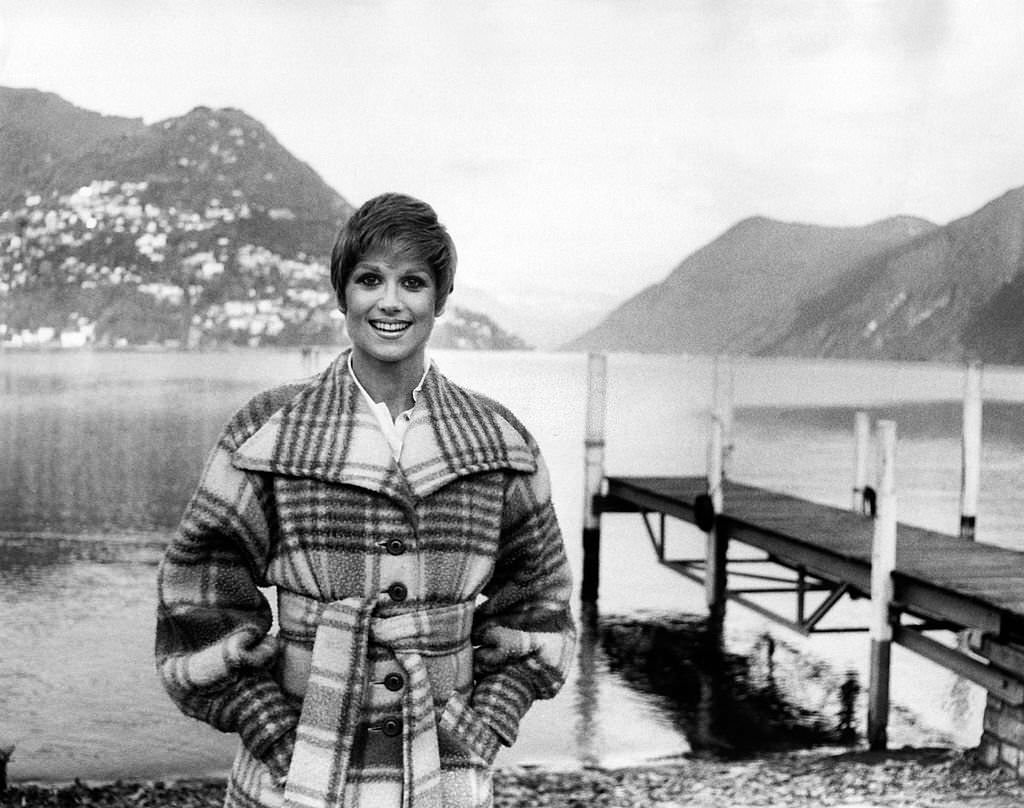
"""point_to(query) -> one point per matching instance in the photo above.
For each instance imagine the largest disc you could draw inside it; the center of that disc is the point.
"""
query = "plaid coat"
(421, 606)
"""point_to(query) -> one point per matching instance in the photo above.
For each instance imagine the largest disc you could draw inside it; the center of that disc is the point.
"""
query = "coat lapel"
(459, 433)
(327, 432)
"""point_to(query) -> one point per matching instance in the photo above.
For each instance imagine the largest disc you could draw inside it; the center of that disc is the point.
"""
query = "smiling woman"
(392, 280)
(407, 527)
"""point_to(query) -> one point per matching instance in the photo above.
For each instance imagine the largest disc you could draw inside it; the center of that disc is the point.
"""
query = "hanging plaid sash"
(341, 633)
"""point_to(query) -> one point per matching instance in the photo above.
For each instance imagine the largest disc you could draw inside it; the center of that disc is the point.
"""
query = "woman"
(406, 524)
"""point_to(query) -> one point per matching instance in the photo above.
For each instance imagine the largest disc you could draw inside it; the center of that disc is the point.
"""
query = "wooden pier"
(793, 561)
(940, 582)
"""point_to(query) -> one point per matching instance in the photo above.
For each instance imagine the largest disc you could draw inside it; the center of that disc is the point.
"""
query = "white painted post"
(970, 481)
(593, 474)
(310, 359)
(716, 543)
(723, 406)
(861, 438)
(883, 562)
(716, 461)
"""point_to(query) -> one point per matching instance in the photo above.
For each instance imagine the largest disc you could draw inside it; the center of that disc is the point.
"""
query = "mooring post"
(970, 479)
(861, 444)
(723, 404)
(6, 750)
(717, 542)
(593, 475)
(883, 562)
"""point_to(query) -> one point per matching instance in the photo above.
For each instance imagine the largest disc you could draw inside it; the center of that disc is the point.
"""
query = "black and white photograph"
(470, 403)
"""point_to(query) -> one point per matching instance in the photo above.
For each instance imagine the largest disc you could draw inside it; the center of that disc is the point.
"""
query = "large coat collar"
(327, 432)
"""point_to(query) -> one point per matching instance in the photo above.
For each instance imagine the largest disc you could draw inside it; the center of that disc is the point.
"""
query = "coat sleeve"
(524, 631)
(213, 650)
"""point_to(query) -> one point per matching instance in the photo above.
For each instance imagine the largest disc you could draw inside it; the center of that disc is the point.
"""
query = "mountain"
(745, 290)
(40, 132)
(200, 229)
(51, 147)
(954, 293)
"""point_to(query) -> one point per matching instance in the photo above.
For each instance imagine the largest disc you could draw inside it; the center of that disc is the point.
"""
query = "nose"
(389, 297)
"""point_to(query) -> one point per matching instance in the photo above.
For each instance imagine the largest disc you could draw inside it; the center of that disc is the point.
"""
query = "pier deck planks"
(937, 575)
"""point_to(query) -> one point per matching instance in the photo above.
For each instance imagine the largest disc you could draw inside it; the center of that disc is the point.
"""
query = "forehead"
(392, 261)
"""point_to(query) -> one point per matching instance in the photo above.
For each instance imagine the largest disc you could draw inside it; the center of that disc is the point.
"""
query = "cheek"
(353, 299)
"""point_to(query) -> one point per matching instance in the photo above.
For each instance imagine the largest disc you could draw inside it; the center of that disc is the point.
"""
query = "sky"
(578, 150)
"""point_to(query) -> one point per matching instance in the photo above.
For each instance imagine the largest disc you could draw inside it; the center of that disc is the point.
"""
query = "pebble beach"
(908, 778)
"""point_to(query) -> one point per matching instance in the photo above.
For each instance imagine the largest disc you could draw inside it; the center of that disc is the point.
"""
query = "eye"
(415, 283)
(367, 279)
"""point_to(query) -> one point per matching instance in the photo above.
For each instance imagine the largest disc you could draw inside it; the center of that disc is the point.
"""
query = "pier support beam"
(883, 561)
(970, 481)
(593, 475)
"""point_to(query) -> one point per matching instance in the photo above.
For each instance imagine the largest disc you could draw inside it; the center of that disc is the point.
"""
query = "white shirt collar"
(394, 429)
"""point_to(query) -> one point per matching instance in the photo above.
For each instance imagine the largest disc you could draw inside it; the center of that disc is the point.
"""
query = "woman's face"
(389, 310)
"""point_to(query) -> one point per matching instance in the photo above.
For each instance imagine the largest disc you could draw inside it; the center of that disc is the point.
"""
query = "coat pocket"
(461, 722)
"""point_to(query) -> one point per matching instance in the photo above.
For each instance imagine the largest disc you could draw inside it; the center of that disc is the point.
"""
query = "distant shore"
(911, 778)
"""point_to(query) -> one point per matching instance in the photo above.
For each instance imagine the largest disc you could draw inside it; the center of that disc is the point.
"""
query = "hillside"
(953, 293)
(42, 132)
(742, 292)
(197, 230)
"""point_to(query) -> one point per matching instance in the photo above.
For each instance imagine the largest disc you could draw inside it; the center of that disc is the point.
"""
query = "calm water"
(99, 452)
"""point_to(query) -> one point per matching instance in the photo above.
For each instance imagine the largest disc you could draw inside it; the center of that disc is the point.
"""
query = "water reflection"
(726, 703)
(587, 696)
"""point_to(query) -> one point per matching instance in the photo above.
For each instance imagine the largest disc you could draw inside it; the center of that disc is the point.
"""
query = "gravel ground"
(912, 778)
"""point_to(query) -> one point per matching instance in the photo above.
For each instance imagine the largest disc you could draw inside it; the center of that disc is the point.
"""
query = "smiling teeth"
(391, 327)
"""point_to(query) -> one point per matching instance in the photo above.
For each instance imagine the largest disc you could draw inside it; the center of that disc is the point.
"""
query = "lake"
(99, 452)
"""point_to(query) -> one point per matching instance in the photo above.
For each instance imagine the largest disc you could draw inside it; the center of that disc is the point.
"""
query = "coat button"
(398, 592)
(394, 681)
(391, 727)
(395, 546)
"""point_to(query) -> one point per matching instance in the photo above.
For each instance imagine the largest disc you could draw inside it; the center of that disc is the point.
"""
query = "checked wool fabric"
(301, 495)
(334, 690)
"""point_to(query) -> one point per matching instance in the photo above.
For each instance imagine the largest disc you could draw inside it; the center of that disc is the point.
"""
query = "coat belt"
(341, 632)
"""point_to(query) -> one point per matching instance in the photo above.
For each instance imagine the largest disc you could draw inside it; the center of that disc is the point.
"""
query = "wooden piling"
(970, 479)
(6, 750)
(593, 475)
(719, 449)
(861, 446)
(723, 406)
(883, 561)
(716, 542)
(310, 359)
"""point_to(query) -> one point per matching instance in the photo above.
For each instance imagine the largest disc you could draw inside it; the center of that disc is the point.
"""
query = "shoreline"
(912, 777)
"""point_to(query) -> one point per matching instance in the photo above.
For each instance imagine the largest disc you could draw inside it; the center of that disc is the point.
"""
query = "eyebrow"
(380, 266)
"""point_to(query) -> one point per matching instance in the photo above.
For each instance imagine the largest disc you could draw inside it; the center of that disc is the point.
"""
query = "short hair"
(401, 224)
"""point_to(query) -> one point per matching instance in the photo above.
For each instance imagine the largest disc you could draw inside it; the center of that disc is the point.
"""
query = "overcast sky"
(577, 149)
